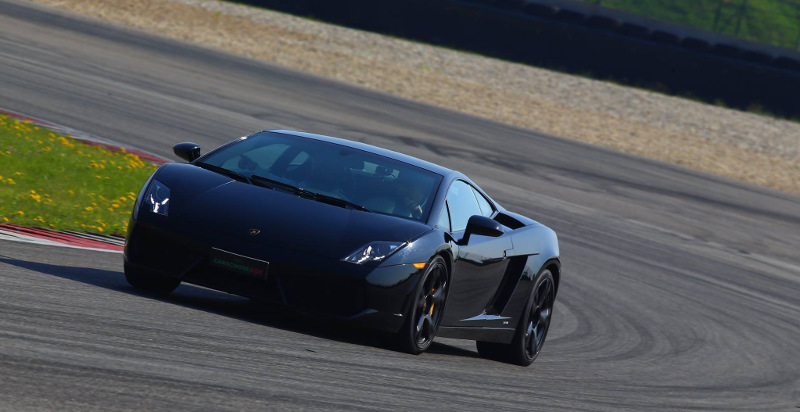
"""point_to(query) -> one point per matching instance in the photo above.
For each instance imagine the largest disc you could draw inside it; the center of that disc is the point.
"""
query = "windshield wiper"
(277, 184)
(331, 200)
(227, 172)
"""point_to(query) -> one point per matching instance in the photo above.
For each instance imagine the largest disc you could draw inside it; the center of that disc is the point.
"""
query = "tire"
(150, 282)
(425, 313)
(531, 330)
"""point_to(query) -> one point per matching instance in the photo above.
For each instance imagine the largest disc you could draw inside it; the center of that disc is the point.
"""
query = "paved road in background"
(680, 289)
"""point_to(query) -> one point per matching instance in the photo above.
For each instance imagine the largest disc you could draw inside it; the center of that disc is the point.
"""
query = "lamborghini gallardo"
(344, 230)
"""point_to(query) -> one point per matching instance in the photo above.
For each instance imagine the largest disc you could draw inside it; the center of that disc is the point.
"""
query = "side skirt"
(499, 335)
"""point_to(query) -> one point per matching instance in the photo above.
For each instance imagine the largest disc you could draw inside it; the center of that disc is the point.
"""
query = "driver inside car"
(411, 199)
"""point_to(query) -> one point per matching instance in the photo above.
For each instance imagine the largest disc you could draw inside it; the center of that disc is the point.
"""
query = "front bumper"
(373, 297)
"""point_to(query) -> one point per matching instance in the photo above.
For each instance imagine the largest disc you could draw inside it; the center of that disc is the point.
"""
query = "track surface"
(680, 290)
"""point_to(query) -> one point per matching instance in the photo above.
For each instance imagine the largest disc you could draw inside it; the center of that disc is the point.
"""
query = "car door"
(480, 264)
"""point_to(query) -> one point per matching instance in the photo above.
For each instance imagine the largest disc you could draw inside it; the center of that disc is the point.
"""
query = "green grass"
(775, 22)
(51, 181)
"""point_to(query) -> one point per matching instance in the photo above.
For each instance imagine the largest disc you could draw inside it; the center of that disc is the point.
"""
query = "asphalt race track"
(680, 290)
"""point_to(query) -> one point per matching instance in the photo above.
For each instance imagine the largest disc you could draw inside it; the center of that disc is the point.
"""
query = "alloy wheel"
(430, 305)
(539, 318)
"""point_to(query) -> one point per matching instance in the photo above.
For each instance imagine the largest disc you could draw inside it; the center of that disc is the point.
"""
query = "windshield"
(362, 179)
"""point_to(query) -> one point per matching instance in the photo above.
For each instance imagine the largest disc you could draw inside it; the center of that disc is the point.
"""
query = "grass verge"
(51, 181)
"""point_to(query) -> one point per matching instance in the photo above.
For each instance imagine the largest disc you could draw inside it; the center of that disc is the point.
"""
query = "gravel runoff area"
(746, 146)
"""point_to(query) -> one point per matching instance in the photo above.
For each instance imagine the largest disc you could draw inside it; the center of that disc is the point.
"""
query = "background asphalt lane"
(680, 289)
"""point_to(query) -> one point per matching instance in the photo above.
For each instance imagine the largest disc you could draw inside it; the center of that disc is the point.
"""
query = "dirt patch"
(745, 146)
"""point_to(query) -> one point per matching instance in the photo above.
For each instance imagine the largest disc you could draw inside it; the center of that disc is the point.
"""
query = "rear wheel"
(425, 315)
(532, 329)
(150, 282)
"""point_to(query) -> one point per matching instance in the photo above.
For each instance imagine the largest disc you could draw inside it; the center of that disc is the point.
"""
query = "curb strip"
(44, 236)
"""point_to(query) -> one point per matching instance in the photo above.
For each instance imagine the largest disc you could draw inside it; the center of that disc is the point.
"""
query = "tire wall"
(573, 42)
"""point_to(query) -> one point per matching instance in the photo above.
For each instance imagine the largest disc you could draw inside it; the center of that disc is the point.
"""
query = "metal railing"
(774, 22)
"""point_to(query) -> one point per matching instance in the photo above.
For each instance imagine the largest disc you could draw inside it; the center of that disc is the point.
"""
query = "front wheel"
(150, 282)
(425, 314)
(532, 329)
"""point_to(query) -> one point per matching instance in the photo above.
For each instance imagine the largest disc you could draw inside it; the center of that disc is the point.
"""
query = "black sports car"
(343, 229)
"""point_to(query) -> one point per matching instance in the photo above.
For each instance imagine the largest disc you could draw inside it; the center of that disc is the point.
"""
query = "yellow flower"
(21, 213)
(88, 208)
(11, 181)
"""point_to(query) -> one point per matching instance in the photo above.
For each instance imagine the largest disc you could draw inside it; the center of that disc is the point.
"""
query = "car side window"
(486, 207)
(463, 205)
(444, 219)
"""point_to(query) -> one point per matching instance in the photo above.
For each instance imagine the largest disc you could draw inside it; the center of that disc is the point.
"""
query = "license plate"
(238, 263)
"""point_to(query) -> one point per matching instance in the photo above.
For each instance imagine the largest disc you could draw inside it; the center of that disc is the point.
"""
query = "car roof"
(373, 149)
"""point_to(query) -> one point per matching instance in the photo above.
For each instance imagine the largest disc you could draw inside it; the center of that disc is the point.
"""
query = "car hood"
(208, 200)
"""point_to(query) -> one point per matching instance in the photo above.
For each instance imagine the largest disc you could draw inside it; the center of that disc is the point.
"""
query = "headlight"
(373, 252)
(156, 199)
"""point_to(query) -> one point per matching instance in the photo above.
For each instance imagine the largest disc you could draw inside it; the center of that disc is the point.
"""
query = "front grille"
(235, 283)
(321, 292)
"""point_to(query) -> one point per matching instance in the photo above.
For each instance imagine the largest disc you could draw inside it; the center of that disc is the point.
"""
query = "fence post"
(717, 14)
(742, 12)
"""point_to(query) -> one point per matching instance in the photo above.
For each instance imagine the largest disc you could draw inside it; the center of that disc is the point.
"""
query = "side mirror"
(187, 151)
(481, 225)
